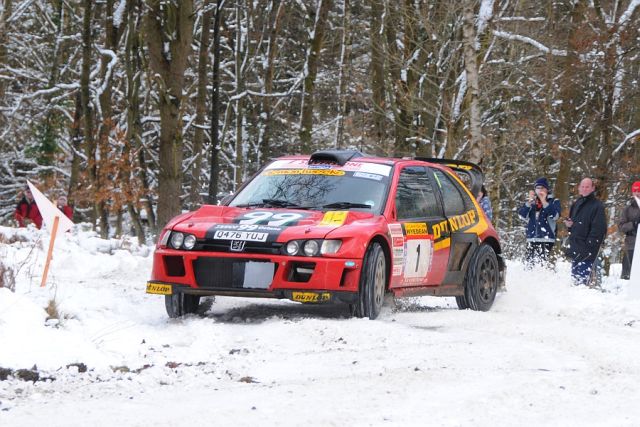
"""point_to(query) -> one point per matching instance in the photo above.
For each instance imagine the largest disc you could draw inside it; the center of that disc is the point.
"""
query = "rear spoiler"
(469, 173)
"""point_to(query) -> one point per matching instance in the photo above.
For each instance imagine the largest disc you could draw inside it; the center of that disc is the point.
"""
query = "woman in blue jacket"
(541, 211)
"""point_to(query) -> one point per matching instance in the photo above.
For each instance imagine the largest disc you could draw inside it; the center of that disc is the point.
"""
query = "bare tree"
(169, 29)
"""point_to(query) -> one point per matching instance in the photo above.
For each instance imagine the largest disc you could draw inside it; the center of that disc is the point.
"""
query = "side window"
(415, 197)
(453, 200)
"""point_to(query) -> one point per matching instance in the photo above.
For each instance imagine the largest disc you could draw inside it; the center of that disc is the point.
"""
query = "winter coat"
(67, 211)
(541, 221)
(628, 224)
(485, 204)
(30, 211)
(588, 229)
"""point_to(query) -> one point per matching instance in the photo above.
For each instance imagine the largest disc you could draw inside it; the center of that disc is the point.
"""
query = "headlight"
(176, 239)
(292, 247)
(330, 246)
(189, 242)
(311, 248)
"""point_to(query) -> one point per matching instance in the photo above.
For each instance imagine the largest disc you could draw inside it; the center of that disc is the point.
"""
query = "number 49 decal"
(270, 218)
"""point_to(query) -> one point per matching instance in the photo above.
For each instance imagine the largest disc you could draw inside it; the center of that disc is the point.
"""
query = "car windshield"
(317, 188)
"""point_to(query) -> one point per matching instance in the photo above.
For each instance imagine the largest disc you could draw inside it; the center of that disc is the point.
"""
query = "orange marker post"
(54, 231)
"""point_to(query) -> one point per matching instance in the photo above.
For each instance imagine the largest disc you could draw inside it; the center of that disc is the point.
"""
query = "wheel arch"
(384, 243)
(495, 245)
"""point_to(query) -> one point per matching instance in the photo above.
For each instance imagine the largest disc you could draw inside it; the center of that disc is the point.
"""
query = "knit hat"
(542, 182)
(635, 188)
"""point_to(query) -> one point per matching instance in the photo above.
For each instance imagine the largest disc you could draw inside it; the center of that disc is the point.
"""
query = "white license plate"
(248, 236)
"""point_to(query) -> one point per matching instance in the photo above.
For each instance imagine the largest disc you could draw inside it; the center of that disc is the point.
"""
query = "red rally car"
(339, 227)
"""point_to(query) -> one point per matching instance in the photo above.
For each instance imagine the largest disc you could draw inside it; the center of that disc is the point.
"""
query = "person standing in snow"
(587, 225)
(485, 203)
(628, 224)
(27, 211)
(64, 207)
(541, 211)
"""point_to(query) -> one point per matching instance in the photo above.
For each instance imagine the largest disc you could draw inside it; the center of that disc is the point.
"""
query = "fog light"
(311, 248)
(176, 239)
(189, 242)
(292, 248)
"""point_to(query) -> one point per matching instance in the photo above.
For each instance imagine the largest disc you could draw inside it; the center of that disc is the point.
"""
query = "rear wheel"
(373, 283)
(481, 281)
(179, 304)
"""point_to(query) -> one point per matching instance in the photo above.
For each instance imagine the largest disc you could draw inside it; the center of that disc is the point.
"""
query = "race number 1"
(418, 257)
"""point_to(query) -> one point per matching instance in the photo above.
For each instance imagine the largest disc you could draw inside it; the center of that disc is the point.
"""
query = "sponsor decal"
(270, 218)
(367, 175)
(330, 172)
(371, 168)
(334, 218)
(455, 223)
(415, 228)
(397, 241)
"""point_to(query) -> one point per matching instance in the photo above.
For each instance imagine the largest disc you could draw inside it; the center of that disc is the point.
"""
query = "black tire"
(373, 283)
(481, 281)
(462, 302)
(178, 305)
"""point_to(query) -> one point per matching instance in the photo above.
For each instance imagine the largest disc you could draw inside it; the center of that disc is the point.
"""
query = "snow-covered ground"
(547, 353)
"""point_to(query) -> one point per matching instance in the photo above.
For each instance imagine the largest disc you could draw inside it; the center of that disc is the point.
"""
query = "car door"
(461, 218)
(417, 211)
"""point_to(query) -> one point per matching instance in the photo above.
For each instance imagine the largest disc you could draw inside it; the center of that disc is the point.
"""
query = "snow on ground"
(547, 353)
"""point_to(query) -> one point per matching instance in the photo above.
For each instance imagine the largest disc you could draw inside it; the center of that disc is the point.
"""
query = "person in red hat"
(27, 211)
(628, 224)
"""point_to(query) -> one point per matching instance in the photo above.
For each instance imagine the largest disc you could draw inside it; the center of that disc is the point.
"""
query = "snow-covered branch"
(529, 41)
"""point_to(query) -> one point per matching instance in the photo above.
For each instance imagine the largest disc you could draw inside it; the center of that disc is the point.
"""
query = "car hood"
(281, 224)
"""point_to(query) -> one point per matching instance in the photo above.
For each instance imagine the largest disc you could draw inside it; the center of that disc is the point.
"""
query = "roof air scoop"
(340, 157)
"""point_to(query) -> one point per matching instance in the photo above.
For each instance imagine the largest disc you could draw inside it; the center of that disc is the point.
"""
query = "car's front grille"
(233, 273)
(209, 245)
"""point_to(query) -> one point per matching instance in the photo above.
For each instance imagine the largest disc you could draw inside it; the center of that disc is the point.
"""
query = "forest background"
(138, 109)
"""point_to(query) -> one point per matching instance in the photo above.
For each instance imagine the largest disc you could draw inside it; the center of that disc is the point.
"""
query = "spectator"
(27, 211)
(541, 211)
(485, 203)
(628, 224)
(587, 227)
(64, 207)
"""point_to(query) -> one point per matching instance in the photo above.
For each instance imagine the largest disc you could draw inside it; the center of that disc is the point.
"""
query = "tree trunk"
(473, 86)
(310, 73)
(4, 37)
(265, 140)
(85, 100)
(377, 76)
(345, 60)
(201, 106)
(215, 107)
(76, 146)
(169, 31)
(238, 170)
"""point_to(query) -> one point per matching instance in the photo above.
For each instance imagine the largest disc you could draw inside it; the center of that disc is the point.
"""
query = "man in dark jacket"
(628, 224)
(541, 211)
(587, 226)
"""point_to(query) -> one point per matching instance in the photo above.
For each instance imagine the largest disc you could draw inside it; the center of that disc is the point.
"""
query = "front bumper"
(254, 275)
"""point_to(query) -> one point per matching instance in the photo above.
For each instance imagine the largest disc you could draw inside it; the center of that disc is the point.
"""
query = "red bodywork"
(336, 274)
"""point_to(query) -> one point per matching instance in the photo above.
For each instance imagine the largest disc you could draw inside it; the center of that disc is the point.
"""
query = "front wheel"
(373, 283)
(178, 305)
(481, 281)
